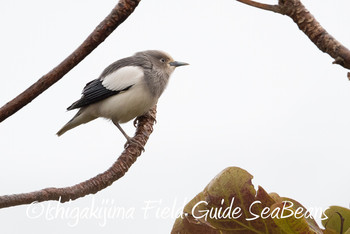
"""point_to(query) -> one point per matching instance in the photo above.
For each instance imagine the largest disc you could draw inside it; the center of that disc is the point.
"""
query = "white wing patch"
(123, 78)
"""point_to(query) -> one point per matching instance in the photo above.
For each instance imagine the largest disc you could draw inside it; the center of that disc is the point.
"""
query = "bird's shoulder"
(134, 61)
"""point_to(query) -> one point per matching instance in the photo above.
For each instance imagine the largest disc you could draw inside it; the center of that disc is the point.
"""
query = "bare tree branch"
(310, 26)
(119, 13)
(117, 170)
(274, 8)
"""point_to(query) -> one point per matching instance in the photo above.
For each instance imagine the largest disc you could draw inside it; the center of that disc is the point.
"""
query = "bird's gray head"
(162, 61)
(161, 66)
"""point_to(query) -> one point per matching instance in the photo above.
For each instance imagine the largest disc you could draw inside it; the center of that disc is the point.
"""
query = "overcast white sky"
(258, 95)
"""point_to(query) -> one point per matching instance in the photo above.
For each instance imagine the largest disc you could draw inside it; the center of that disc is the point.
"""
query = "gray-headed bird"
(126, 89)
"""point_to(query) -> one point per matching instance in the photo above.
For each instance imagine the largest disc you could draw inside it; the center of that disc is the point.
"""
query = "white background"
(257, 95)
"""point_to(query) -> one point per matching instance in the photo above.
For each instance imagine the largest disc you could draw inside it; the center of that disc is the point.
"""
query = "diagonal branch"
(117, 170)
(274, 8)
(311, 27)
(118, 15)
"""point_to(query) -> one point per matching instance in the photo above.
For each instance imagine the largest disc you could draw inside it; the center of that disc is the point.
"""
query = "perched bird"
(126, 89)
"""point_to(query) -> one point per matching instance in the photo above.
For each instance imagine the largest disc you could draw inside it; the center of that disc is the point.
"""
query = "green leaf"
(334, 221)
(300, 210)
(289, 222)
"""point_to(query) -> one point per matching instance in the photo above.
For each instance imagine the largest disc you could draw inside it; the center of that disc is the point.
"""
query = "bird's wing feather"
(123, 77)
(113, 83)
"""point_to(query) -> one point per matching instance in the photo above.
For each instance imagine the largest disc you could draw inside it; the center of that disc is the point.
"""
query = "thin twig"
(310, 26)
(274, 8)
(118, 15)
(97, 183)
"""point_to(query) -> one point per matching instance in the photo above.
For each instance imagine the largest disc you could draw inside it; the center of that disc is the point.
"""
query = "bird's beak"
(177, 64)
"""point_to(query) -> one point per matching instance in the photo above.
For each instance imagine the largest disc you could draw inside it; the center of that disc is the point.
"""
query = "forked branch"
(310, 26)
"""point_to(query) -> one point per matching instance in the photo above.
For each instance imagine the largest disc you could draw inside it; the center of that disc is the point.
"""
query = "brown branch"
(274, 8)
(310, 26)
(118, 15)
(117, 170)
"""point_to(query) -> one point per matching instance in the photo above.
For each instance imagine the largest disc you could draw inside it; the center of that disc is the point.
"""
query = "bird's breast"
(127, 105)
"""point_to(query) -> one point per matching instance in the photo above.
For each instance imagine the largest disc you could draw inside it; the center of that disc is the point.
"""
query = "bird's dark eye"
(162, 60)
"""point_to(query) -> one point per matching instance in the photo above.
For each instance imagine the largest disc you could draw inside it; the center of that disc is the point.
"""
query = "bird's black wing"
(93, 92)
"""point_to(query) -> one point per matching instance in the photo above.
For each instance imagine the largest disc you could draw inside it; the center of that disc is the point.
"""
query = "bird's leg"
(129, 139)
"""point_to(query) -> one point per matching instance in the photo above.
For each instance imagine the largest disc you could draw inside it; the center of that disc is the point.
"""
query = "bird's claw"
(135, 122)
(132, 141)
(153, 118)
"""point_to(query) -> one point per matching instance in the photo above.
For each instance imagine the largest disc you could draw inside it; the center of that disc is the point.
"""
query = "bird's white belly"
(127, 105)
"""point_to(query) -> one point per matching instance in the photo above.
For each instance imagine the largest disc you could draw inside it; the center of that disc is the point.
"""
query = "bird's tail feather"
(79, 118)
(66, 127)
